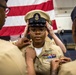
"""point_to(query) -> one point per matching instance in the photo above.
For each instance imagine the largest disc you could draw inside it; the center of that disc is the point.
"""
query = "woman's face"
(37, 34)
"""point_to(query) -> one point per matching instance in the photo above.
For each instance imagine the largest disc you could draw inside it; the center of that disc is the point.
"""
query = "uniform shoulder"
(53, 46)
(6, 46)
(68, 68)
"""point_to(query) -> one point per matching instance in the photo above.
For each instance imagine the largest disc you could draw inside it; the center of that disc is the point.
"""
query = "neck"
(38, 45)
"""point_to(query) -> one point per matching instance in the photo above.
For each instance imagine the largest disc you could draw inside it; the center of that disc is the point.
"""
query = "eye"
(41, 29)
(33, 29)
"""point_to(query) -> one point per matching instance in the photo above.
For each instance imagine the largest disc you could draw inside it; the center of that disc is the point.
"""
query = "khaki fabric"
(42, 63)
(12, 61)
(50, 40)
(43, 14)
(68, 68)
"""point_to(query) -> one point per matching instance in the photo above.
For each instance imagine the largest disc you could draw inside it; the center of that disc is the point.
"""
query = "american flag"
(15, 23)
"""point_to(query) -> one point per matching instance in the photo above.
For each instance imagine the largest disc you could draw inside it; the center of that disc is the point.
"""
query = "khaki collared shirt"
(49, 51)
(12, 61)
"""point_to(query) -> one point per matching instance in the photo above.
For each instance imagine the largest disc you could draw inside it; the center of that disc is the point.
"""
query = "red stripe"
(22, 10)
(54, 24)
(15, 30)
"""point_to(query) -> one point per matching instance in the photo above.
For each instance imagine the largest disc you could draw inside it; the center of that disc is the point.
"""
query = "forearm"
(59, 42)
(30, 67)
(56, 39)
(54, 72)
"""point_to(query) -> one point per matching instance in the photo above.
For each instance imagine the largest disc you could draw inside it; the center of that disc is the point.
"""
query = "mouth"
(38, 38)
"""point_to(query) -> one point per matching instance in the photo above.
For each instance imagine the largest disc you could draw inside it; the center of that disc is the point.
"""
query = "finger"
(55, 60)
(66, 59)
(47, 24)
(25, 39)
(27, 43)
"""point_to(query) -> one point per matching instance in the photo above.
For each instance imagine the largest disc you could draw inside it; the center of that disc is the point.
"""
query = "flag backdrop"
(15, 23)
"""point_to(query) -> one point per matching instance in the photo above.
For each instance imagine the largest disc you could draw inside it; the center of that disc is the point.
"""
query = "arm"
(30, 67)
(22, 42)
(30, 56)
(26, 30)
(55, 66)
(56, 39)
(59, 43)
(64, 60)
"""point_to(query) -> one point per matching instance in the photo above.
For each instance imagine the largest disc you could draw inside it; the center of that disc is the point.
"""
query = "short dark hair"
(73, 14)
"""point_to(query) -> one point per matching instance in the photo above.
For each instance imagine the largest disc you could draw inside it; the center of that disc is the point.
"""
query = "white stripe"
(51, 13)
(24, 2)
(19, 20)
(15, 21)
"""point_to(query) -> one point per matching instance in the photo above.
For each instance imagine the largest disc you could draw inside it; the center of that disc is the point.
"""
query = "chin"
(38, 41)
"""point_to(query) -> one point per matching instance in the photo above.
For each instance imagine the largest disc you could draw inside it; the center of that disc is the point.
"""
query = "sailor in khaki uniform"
(42, 63)
(70, 68)
(12, 61)
(45, 50)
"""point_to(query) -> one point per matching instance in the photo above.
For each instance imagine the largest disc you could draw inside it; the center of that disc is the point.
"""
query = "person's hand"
(26, 30)
(64, 60)
(55, 64)
(22, 42)
(49, 28)
(30, 54)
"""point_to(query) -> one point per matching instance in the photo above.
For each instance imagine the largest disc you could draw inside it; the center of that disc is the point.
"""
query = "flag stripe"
(14, 30)
(19, 20)
(54, 24)
(22, 10)
(25, 2)
(15, 23)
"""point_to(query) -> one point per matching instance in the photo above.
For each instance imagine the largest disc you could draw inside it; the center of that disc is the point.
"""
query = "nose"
(37, 32)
